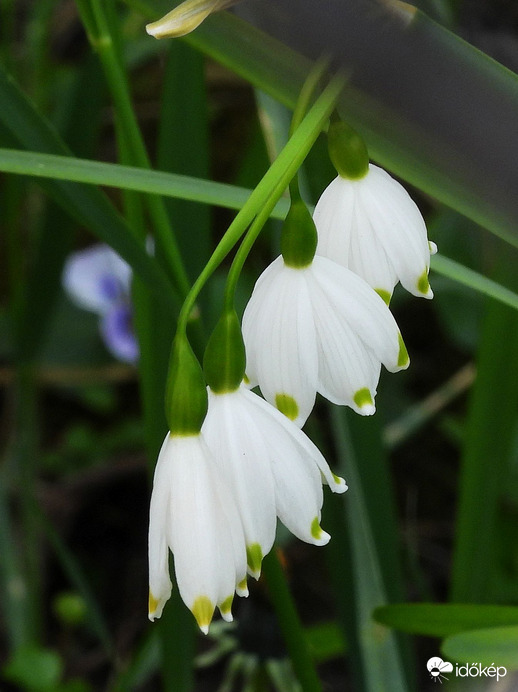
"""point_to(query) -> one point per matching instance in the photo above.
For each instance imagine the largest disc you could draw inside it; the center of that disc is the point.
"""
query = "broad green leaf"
(34, 669)
(497, 646)
(419, 130)
(326, 641)
(442, 620)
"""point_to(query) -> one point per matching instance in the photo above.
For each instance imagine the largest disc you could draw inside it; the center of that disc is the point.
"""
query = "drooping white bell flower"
(272, 467)
(193, 514)
(372, 226)
(320, 328)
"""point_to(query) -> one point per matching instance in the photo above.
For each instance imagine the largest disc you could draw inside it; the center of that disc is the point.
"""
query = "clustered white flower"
(321, 325)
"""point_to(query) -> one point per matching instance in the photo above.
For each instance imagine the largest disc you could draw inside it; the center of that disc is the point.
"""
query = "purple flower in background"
(98, 280)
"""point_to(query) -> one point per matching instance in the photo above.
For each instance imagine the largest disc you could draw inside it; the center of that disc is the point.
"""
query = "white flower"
(193, 514)
(318, 328)
(272, 467)
(373, 227)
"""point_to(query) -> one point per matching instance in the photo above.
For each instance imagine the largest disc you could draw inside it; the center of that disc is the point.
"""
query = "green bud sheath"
(299, 236)
(347, 151)
(224, 360)
(186, 395)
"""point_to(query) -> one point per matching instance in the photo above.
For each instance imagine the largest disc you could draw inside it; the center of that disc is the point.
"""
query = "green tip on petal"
(287, 405)
(364, 401)
(384, 294)
(254, 557)
(340, 484)
(423, 285)
(403, 359)
(152, 606)
(203, 610)
(316, 530)
(320, 536)
(242, 588)
(225, 608)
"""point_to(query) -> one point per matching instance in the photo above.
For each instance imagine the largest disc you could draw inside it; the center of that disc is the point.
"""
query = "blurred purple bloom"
(98, 280)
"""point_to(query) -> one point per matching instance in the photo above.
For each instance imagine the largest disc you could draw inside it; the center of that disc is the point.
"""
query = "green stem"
(307, 92)
(270, 188)
(103, 40)
(290, 624)
(302, 106)
(244, 250)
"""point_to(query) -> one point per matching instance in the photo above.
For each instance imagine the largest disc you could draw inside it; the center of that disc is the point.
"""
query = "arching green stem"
(270, 188)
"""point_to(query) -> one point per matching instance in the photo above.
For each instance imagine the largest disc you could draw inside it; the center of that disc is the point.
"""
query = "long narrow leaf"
(88, 206)
(489, 442)
(432, 108)
(444, 619)
(202, 191)
(381, 658)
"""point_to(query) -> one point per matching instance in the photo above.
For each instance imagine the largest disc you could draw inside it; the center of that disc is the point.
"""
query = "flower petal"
(159, 580)
(203, 525)
(279, 335)
(96, 278)
(401, 229)
(118, 335)
(306, 449)
(237, 444)
(359, 306)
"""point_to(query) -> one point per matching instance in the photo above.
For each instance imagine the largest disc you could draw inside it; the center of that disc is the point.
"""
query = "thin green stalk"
(318, 70)
(290, 624)
(15, 609)
(153, 327)
(244, 250)
(25, 450)
(271, 186)
(105, 44)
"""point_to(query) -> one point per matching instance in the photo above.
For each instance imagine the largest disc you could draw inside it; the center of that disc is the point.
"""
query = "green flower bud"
(186, 395)
(299, 236)
(224, 360)
(347, 151)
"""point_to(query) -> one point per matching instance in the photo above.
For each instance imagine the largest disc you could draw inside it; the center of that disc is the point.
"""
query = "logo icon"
(437, 667)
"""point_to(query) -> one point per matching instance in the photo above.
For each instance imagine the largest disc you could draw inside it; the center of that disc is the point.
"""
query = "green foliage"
(36, 669)
(493, 646)
(78, 121)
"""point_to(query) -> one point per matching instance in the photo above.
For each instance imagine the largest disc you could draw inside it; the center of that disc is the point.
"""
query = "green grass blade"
(12, 581)
(183, 147)
(205, 192)
(372, 566)
(80, 102)
(491, 425)
(443, 620)
(88, 206)
(293, 633)
(63, 167)
(452, 169)
(474, 280)
(495, 648)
